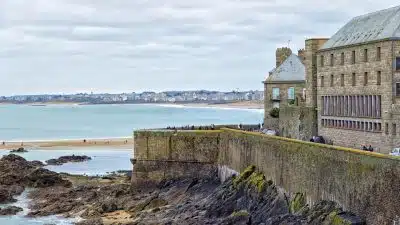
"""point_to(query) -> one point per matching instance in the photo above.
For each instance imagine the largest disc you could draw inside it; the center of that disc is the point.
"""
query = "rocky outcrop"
(10, 210)
(67, 159)
(19, 150)
(16, 173)
(246, 199)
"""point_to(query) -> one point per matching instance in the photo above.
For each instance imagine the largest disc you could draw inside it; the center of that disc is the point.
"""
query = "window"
(353, 57)
(398, 63)
(342, 80)
(394, 129)
(378, 54)
(342, 59)
(322, 61)
(365, 55)
(397, 89)
(353, 79)
(378, 78)
(386, 128)
(322, 81)
(291, 93)
(275, 93)
(365, 78)
(332, 60)
(332, 80)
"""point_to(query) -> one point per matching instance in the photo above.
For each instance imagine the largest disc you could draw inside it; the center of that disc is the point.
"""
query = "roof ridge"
(377, 12)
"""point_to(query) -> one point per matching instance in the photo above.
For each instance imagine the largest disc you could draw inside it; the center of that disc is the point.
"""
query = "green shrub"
(274, 113)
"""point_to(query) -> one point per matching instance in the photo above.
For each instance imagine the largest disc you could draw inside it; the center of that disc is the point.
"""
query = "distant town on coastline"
(202, 96)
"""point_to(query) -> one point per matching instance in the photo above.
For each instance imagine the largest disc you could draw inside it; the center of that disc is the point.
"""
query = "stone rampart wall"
(365, 183)
(166, 154)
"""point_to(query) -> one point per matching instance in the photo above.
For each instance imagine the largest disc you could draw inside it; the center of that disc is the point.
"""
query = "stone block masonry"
(365, 183)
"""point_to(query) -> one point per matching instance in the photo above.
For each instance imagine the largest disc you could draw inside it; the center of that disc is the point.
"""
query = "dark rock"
(10, 210)
(40, 178)
(97, 221)
(67, 159)
(5, 195)
(19, 150)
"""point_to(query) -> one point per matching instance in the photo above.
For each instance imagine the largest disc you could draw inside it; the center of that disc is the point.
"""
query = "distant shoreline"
(232, 105)
(114, 143)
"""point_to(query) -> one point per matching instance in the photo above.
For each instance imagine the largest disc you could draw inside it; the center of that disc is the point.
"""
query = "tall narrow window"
(332, 81)
(342, 59)
(378, 78)
(322, 61)
(365, 78)
(332, 60)
(275, 94)
(365, 55)
(342, 80)
(394, 129)
(398, 63)
(378, 54)
(397, 89)
(353, 57)
(353, 79)
(386, 128)
(322, 81)
(291, 93)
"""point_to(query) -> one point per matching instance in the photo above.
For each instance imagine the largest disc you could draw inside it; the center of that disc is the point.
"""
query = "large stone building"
(353, 82)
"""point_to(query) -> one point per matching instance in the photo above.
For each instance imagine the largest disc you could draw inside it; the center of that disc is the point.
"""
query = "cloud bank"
(69, 46)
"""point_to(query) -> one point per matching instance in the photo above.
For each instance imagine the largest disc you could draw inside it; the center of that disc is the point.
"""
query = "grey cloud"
(77, 45)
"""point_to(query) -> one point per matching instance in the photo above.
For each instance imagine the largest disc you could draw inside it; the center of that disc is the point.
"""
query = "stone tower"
(310, 62)
(282, 54)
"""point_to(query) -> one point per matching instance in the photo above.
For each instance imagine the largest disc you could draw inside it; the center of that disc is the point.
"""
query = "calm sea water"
(23, 122)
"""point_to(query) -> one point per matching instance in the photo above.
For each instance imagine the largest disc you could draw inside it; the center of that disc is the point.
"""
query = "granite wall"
(365, 183)
(160, 155)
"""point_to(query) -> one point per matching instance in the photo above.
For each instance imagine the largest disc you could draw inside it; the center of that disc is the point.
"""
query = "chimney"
(302, 55)
(282, 54)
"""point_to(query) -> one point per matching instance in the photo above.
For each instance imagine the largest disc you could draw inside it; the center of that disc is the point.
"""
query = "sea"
(63, 122)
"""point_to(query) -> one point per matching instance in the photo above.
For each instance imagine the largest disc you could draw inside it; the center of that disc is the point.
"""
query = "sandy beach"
(233, 105)
(117, 143)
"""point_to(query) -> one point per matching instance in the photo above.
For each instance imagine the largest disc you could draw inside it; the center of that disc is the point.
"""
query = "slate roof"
(380, 25)
(292, 69)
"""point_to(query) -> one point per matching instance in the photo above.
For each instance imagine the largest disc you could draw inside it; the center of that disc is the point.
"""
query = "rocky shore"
(66, 159)
(242, 200)
(246, 199)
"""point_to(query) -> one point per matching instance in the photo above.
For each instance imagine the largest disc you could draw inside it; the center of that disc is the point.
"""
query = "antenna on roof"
(288, 44)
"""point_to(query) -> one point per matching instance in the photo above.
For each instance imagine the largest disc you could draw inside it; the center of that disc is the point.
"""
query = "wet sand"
(233, 105)
(118, 143)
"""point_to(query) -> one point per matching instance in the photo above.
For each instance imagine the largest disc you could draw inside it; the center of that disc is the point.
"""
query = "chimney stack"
(282, 54)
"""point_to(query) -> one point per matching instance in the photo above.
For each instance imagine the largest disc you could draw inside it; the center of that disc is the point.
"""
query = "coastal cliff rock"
(16, 173)
(245, 199)
(67, 159)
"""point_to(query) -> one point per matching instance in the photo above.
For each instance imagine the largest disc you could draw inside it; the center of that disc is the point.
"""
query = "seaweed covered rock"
(66, 159)
(19, 150)
(10, 210)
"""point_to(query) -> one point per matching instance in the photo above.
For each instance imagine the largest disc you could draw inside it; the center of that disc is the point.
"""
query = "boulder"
(67, 159)
(19, 150)
(10, 210)
(97, 221)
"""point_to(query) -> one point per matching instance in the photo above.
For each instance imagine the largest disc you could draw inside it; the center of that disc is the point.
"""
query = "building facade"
(352, 84)
(284, 85)
(358, 74)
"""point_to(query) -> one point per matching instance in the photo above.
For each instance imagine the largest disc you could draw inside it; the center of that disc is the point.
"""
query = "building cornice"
(285, 82)
(359, 44)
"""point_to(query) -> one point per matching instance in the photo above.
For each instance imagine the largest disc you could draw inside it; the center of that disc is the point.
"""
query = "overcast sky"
(69, 46)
